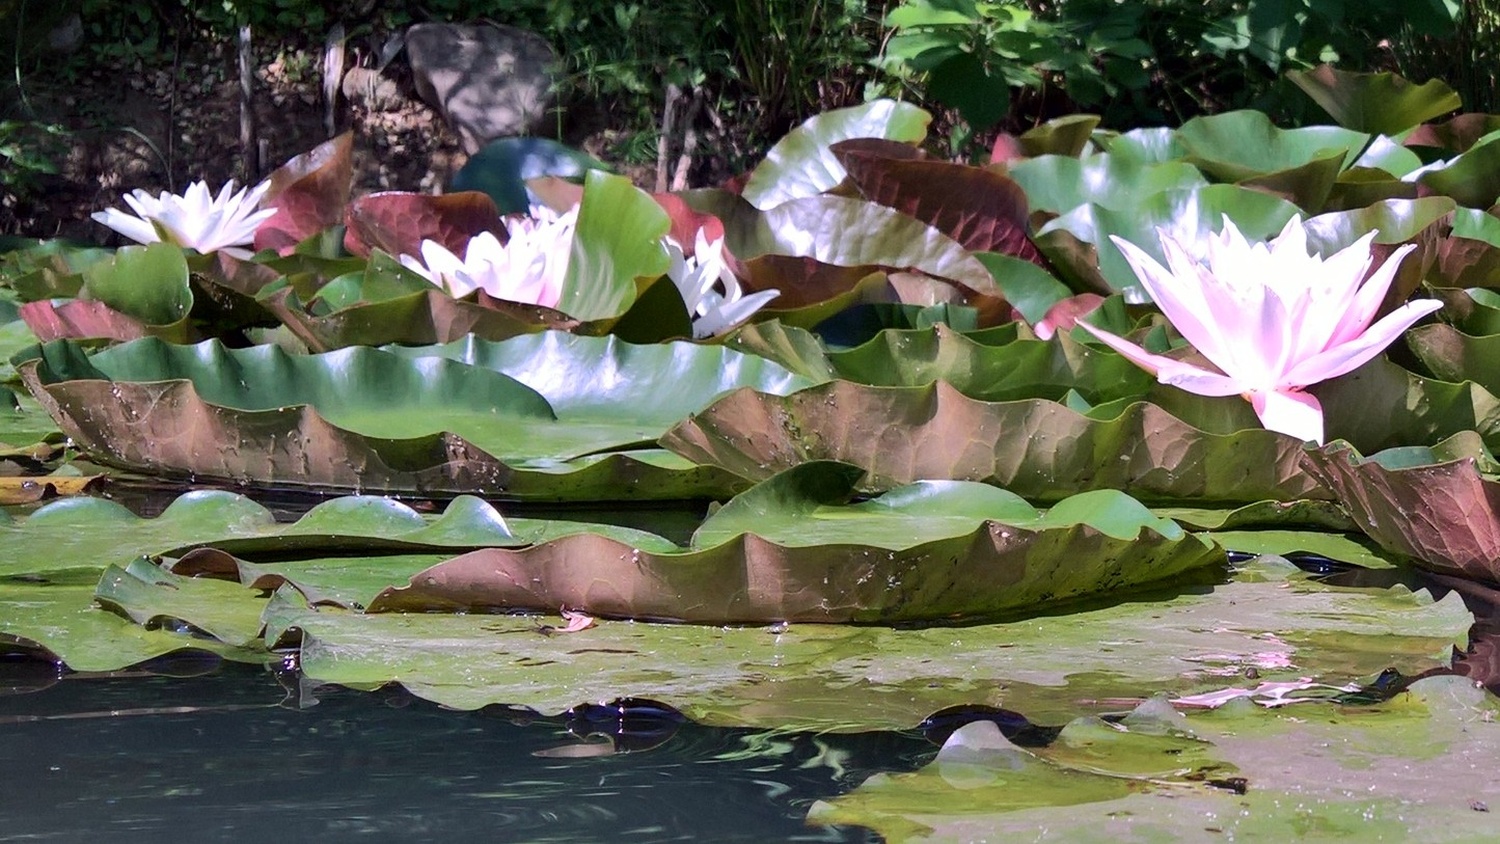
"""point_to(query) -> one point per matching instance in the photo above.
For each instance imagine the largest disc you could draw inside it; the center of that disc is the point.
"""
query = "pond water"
(231, 756)
(193, 748)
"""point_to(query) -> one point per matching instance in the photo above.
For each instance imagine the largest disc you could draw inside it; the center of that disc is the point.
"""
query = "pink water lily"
(1273, 318)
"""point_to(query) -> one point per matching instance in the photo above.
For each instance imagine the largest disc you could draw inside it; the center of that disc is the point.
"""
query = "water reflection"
(227, 756)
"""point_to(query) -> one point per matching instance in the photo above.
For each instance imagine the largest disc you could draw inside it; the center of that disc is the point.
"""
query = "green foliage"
(1143, 61)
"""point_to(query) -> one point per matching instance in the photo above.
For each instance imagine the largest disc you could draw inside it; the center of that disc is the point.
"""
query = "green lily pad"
(583, 377)
(617, 245)
(152, 597)
(831, 677)
(312, 420)
(503, 166)
(1472, 177)
(1412, 758)
(1015, 370)
(1242, 144)
(148, 283)
(24, 422)
(1379, 103)
(1058, 183)
(93, 533)
(57, 613)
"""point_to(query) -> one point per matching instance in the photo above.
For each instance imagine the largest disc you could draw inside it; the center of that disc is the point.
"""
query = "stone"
(368, 87)
(487, 81)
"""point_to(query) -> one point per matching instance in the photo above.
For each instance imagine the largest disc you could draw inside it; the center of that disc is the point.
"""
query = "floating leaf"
(397, 222)
(1058, 183)
(423, 317)
(80, 319)
(1039, 449)
(1252, 775)
(309, 194)
(1067, 135)
(616, 245)
(1378, 103)
(1440, 513)
(148, 283)
(982, 210)
(1472, 177)
(853, 233)
(787, 550)
(503, 167)
(802, 164)
(434, 424)
(806, 676)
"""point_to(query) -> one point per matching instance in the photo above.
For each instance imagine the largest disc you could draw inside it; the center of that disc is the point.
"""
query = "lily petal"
(1290, 412)
(1357, 352)
(1192, 378)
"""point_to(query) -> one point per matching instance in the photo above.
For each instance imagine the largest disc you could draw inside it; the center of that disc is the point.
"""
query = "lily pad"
(1291, 777)
(1015, 370)
(309, 194)
(1441, 514)
(802, 164)
(434, 424)
(57, 614)
(791, 549)
(832, 677)
(981, 209)
(1381, 103)
(1039, 449)
(1058, 183)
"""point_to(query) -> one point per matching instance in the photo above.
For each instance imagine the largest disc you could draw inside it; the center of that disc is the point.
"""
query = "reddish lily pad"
(80, 319)
(791, 550)
(1038, 449)
(981, 209)
(309, 194)
(802, 164)
(1442, 514)
(397, 222)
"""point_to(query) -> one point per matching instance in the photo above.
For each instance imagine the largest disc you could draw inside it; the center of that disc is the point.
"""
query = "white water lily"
(712, 294)
(529, 267)
(196, 220)
(1271, 317)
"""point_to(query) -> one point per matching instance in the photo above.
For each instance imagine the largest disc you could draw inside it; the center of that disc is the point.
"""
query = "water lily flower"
(1273, 318)
(196, 220)
(529, 267)
(712, 294)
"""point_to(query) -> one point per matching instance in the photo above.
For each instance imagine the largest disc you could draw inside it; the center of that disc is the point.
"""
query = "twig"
(249, 149)
(689, 140)
(664, 140)
(333, 72)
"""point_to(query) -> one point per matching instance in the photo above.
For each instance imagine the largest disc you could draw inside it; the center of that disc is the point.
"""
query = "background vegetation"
(744, 71)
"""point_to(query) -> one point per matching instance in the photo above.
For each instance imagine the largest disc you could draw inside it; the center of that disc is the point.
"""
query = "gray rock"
(487, 81)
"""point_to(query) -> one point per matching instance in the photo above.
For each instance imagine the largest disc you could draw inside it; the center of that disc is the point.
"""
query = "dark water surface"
(231, 756)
